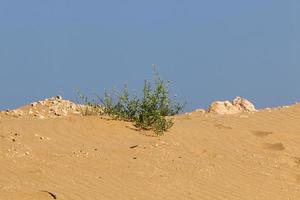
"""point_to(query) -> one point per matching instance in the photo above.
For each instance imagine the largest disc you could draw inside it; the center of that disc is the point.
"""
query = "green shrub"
(147, 113)
(89, 107)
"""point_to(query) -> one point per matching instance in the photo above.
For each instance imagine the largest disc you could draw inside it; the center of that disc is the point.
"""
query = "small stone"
(200, 110)
(74, 107)
(16, 113)
(285, 106)
(57, 113)
(34, 104)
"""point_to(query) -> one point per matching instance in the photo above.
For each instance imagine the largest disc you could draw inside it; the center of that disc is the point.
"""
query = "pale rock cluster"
(14, 113)
(54, 107)
(238, 105)
(49, 108)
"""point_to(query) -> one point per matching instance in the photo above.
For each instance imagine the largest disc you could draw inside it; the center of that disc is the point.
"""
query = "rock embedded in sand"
(15, 113)
(57, 107)
(34, 104)
(238, 105)
(200, 110)
(223, 107)
(244, 104)
(49, 108)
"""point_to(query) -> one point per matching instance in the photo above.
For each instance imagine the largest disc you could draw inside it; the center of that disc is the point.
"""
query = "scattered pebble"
(49, 108)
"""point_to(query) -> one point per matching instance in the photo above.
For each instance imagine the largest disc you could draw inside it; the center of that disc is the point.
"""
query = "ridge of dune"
(58, 107)
(203, 156)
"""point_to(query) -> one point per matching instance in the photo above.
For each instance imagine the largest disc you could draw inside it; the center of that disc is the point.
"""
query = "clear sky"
(209, 49)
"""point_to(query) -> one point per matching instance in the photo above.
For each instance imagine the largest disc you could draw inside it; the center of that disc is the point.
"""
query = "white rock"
(223, 107)
(34, 104)
(238, 105)
(16, 113)
(244, 104)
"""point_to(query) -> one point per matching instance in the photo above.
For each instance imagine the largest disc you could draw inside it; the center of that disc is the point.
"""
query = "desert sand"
(247, 156)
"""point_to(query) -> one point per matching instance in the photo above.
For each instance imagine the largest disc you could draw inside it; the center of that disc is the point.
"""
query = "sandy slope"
(204, 156)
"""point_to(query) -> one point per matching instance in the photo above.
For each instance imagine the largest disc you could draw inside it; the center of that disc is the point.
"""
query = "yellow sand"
(204, 156)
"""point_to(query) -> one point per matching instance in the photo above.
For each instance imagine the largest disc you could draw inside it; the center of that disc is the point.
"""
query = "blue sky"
(210, 50)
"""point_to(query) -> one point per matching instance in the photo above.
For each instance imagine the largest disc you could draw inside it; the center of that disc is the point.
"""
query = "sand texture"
(248, 156)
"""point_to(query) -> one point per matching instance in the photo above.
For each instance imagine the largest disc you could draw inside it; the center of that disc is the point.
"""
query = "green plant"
(147, 113)
(90, 107)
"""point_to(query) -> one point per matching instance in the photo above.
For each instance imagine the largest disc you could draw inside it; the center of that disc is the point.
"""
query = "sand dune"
(204, 156)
